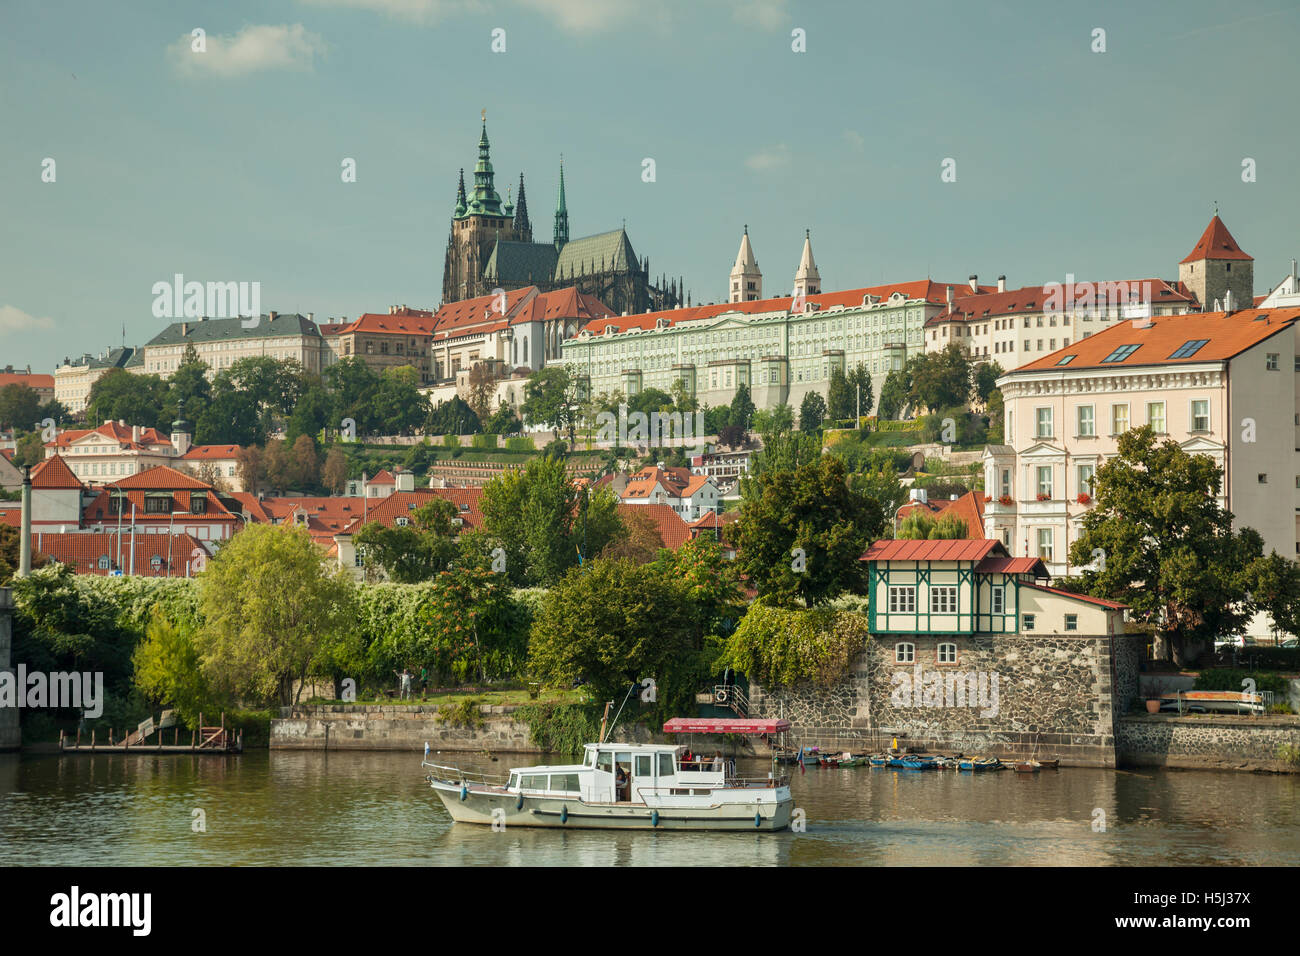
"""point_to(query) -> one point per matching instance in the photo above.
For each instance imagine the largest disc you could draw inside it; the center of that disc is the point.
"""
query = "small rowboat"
(1053, 764)
(878, 760)
(977, 764)
(1026, 766)
(917, 762)
(853, 760)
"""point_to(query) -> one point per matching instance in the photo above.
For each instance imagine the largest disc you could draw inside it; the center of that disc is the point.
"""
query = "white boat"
(620, 786)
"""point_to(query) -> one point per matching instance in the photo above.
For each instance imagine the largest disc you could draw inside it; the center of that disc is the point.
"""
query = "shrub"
(485, 441)
(1228, 679)
(779, 647)
(520, 443)
(464, 714)
(560, 728)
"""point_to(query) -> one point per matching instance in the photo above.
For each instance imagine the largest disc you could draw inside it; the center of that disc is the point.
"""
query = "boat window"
(665, 765)
(564, 781)
(643, 764)
(535, 782)
(605, 761)
(589, 759)
(624, 760)
(513, 781)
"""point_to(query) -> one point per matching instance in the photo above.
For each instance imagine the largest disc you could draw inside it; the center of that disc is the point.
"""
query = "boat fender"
(520, 804)
(464, 792)
(758, 819)
(654, 818)
(564, 814)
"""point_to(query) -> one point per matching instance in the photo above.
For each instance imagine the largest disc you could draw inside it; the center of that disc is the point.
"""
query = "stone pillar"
(10, 736)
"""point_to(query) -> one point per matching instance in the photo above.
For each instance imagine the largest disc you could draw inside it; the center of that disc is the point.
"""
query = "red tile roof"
(54, 472)
(923, 289)
(387, 510)
(119, 433)
(411, 322)
(977, 307)
(1216, 243)
(211, 452)
(969, 508)
(962, 549)
(673, 531)
(999, 565)
(33, 381)
(1113, 605)
(1226, 335)
(160, 478)
(384, 477)
(83, 550)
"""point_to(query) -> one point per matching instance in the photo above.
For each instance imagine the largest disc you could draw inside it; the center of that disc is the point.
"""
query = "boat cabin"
(627, 773)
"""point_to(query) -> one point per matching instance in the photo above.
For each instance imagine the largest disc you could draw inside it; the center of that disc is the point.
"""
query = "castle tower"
(807, 280)
(1217, 266)
(746, 279)
(561, 214)
(523, 228)
(478, 221)
(182, 431)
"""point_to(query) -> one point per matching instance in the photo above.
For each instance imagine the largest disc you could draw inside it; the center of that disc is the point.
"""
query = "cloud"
(767, 14)
(260, 47)
(769, 157)
(590, 16)
(854, 139)
(414, 11)
(14, 319)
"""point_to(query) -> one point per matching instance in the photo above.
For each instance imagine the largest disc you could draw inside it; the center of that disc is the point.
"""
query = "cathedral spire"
(522, 226)
(746, 278)
(807, 280)
(486, 199)
(561, 213)
(460, 195)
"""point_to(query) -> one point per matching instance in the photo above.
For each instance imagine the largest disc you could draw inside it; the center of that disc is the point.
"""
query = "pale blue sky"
(228, 167)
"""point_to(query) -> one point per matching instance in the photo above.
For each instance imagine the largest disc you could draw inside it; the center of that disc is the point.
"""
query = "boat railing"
(460, 775)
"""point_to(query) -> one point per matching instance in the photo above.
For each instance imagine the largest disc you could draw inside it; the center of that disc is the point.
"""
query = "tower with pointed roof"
(523, 228)
(561, 235)
(746, 279)
(807, 280)
(1217, 266)
(480, 218)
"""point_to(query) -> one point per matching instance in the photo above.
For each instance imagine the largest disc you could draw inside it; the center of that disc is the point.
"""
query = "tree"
(812, 412)
(919, 526)
(9, 554)
(995, 409)
(741, 414)
(353, 384)
(415, 552)
(19, 405)
(482, 388)
(135, 399)
(683, 400)
(639, 542)
(29, 450)
(231, 417)
(613, 624)
(334, 473)
(1166, 547)
(802, 531)
(551, 400)
(473, 627)
(313, 413)
(503, 421)
(188, 388)
(941, 379)
(250, 462)
(650, 400)
(859, 381)
(785, 450)
(304, 465)
(986, 380)
(894, 394)
(883, 485)
(398, 406)
(1274, 583)
(454, 417)
(774, 421)
(168, 670)
(271, 609)
(841, 400)
(537, 517)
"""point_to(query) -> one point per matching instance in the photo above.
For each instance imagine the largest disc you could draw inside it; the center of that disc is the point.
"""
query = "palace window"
(1044, 474)
(904, 653)
(1043, 419)
(943, 600)
(1201, 415)
(1045, 542)
(947, 653)
(902, 600)
(1156, 417)
(1118, 419)
(1087, 421)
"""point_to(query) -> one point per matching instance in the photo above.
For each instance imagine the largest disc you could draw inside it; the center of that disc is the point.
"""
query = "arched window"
(525, 351)
(904, 652)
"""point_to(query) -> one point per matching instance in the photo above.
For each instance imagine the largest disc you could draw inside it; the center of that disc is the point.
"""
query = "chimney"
(949, 298)
(1229, 306)
(135, 433)
(1002, 283)
(311, 316)
(185, 329)
(918, 495)
(273, 315)
(974, 282)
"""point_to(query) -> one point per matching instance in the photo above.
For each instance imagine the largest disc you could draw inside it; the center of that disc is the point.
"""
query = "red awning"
(709, 725)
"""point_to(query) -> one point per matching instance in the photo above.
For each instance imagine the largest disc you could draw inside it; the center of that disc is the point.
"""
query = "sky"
(226, 164)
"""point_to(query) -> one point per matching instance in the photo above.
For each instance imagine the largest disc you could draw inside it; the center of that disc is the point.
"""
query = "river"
(317, 809)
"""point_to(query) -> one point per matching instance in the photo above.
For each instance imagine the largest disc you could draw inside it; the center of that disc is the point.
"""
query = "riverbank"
(1207, 742)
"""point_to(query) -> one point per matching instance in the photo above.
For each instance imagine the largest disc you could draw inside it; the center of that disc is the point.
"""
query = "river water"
(316, 809)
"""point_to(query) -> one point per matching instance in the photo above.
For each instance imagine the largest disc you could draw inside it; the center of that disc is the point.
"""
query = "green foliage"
(452, 418)
(779, 647)
(415, 552)
(812, 412)
(551, 399)
(776, 421)
(19, 405)
(1229, 679)
(484, 441)
(920, 526)
(783, 451)
(940, 379)
(466, 713)
(504, 421)
(561, 728)
(1171, 553)
(894, 394)
(272, 610)
(520, 443)
(813, 509)
(740, 413)
(168, 670)
(986, 378)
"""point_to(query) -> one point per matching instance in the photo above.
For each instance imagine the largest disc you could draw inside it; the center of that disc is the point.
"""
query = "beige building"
(1219, 384)
(73, 379)
(383, 341)
(222, 342)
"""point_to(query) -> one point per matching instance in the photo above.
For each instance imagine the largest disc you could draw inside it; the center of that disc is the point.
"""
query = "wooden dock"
(205, 740)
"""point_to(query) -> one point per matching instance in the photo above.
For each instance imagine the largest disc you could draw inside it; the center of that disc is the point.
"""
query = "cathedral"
(491, 247)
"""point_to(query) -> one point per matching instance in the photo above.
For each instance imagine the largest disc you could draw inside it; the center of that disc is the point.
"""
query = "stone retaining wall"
(1213, 742)
(10, 735)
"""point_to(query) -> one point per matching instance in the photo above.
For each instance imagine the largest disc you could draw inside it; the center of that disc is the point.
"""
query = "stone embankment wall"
(10, 735)
(1219, 742)
(1006, 696)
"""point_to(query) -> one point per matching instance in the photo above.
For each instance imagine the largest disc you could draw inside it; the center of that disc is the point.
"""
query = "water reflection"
(374, 808)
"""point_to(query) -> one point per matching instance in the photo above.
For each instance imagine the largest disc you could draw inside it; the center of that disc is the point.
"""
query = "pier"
(205, 740)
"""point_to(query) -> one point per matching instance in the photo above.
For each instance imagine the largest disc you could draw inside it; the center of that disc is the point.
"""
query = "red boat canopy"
(709, 725)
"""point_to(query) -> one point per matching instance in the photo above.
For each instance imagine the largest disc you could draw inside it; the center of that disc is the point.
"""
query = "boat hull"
(488, 807)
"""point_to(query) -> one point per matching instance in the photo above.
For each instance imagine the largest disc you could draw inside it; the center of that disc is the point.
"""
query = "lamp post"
(25, 530)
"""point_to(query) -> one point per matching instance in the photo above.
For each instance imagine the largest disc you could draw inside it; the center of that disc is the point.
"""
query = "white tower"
(746, 279)
(807, 281)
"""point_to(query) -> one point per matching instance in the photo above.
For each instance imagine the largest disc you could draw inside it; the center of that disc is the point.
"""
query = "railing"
(732, 696)
(458, 775)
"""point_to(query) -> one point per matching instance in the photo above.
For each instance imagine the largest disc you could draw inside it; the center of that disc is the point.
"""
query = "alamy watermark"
(937, 688)
(57, 690)
(655, 430)
(1125, 300)
(218, 300)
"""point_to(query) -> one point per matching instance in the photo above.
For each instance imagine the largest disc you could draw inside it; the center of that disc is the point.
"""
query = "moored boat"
(977, 764)
(625, 786)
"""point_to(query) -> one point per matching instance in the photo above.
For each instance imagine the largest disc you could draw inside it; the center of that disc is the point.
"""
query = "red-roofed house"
(673, 531)
(42, 385)
(162, 500)
(687, 494)
(968, 507)
(218, 465)
(102, 553)
(398, 337)
(1219, 384)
